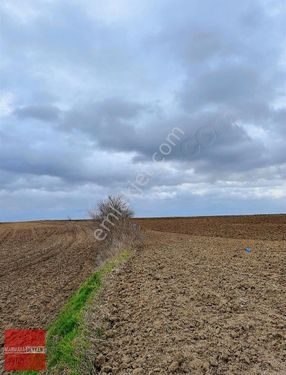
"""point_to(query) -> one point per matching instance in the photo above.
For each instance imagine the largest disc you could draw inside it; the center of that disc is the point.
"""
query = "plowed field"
(40, 265)
(191, 301)
(263, 227)
(198, 303)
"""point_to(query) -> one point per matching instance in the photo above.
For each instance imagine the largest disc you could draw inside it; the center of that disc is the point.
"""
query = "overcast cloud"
(90, 90)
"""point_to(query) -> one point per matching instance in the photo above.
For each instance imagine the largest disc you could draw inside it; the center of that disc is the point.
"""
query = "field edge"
(67, 341)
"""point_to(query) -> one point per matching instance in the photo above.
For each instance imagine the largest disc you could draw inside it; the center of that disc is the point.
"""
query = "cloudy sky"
(179, 105)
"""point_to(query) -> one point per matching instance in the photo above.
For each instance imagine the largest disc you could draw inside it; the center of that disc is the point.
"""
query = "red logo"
(25, 349)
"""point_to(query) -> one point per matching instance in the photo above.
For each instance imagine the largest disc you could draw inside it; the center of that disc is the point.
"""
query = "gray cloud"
(41, 112)
(91, 91)
(209, 141)
(108, 121)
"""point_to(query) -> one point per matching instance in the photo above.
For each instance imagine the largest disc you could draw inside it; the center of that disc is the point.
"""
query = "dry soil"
(193, 304)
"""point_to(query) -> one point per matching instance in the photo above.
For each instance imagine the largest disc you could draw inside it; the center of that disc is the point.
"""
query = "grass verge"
(65, 337)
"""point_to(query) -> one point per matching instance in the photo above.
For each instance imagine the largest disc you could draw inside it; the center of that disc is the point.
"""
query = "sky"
(180, 106)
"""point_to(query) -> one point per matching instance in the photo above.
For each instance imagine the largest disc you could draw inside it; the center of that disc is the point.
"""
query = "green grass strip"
(65, 333)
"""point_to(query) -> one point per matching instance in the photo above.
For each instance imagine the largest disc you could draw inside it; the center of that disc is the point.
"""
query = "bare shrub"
(113, 219)
(113, 206)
